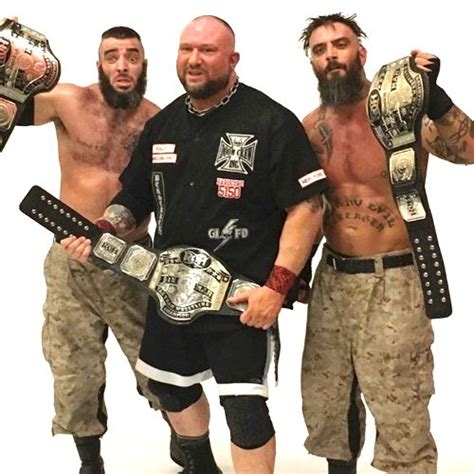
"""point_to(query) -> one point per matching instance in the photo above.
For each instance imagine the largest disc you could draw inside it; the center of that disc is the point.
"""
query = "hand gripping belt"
(27, 67)
(396, 103)
(186, 282)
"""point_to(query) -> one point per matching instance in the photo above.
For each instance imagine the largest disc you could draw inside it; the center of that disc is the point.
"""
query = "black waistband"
(367, 265)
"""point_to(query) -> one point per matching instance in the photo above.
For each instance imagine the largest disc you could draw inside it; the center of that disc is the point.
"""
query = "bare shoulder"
(53, 105)
(149, 108)
(66, 92)
(313, 118)
(67, 97)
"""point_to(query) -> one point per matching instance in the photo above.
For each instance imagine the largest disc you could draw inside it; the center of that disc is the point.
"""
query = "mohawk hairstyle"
(120, 32)
(324, 20)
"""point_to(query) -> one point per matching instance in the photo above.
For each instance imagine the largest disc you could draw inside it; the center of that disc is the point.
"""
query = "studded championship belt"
(397, 101)
(27, 67)
(186, 282)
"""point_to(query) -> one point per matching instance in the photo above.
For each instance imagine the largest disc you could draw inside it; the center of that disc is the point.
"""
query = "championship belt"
(396, 103)
(27, 67)
(186, 282)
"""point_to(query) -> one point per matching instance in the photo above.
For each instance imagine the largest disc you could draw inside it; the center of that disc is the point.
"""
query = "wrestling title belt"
(27, 67)
(397, 101)
(186, 282)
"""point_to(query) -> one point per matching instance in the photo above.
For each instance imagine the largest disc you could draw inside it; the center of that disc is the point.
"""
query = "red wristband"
(106, 226)
(280, 280)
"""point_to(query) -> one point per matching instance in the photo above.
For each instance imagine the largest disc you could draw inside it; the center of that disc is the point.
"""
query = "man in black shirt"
(228, 170)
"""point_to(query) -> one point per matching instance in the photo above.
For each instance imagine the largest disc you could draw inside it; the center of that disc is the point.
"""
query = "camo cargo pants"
(82, 302)
(369, 333)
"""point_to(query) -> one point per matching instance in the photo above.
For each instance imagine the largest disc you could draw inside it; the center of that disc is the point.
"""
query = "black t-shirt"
(222, 182)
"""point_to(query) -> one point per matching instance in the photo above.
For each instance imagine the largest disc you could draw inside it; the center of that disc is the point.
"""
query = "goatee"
(341, 90)
(206, 90)
(122, 100)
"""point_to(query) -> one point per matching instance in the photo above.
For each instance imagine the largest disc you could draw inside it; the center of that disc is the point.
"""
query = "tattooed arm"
(320, 134)
(447, 131)
(451, 137)
(118, 220)
(297, 237)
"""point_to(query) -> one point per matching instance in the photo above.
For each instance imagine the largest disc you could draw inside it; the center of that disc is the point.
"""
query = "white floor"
(137, 440)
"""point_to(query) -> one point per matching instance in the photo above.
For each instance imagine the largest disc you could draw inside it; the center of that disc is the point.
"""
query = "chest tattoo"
(324, 137)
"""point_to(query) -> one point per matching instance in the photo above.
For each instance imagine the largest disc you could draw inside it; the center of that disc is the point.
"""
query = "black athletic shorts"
(236, 355)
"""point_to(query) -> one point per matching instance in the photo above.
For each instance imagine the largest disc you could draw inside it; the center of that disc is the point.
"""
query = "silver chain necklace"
(223, 101)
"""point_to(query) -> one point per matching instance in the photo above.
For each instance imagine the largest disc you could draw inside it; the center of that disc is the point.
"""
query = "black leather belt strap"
(185, 281)
(27, 67)
(396, 104)
(367, 265)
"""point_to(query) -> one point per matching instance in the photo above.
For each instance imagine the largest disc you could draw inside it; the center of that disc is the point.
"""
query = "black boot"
(335, 466)
(88, 448)
(176, 453)
(198, 453)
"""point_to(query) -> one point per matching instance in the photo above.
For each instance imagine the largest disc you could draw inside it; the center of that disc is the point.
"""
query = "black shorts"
(236, 355)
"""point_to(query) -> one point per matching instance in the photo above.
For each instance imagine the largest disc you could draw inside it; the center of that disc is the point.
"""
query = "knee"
(248, 420)
(174, 398)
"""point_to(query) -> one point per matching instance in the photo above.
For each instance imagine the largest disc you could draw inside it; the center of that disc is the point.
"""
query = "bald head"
(212, 29)
(207, 58)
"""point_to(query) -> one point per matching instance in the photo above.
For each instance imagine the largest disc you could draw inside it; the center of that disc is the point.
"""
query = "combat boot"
(176, 453)
(198, 455)
(335, 466)
(88, 448)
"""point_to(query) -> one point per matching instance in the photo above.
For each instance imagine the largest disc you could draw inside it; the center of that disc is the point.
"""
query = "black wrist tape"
(440, 103)
(27, 117)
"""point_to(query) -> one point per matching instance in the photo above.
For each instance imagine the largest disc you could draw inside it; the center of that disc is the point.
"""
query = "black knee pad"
(248, 420)
(174, 398)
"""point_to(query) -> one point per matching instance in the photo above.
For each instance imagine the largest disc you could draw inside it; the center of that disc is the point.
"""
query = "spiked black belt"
(396, 104)
(185, 281)
(27, 66)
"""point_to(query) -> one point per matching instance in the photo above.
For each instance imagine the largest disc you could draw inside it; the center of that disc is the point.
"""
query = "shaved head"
(207, 58)
(211, 29)
(218, 19)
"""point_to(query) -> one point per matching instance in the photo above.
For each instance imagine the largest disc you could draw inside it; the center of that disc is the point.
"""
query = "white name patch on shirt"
(164, 157)
(311, 178)
(163, 148)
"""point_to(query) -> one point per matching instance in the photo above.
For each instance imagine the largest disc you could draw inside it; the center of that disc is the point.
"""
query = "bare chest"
(349, 152)
(99, 143)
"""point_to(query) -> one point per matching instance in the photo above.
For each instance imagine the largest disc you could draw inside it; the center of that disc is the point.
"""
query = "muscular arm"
(48, 104)
(299, 234)
(447, 131)
(451, 137)
(297, 238)
(118, 219)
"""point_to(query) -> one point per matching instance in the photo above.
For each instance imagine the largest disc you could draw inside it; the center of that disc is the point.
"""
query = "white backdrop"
(273, 61)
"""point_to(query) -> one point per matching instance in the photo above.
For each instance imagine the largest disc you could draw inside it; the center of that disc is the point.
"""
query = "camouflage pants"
(369, 333)
(82, 302)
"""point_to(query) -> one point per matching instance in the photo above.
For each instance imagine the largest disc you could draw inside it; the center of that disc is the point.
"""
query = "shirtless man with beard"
(367, 326)
(97, 128)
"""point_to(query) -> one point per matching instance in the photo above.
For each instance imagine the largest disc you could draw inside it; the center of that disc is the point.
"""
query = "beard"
(122, 100)
(206, 90)
(341, 90)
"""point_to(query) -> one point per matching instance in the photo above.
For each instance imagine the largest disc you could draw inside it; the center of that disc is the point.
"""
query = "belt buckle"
(335, 261)
(188, 282)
